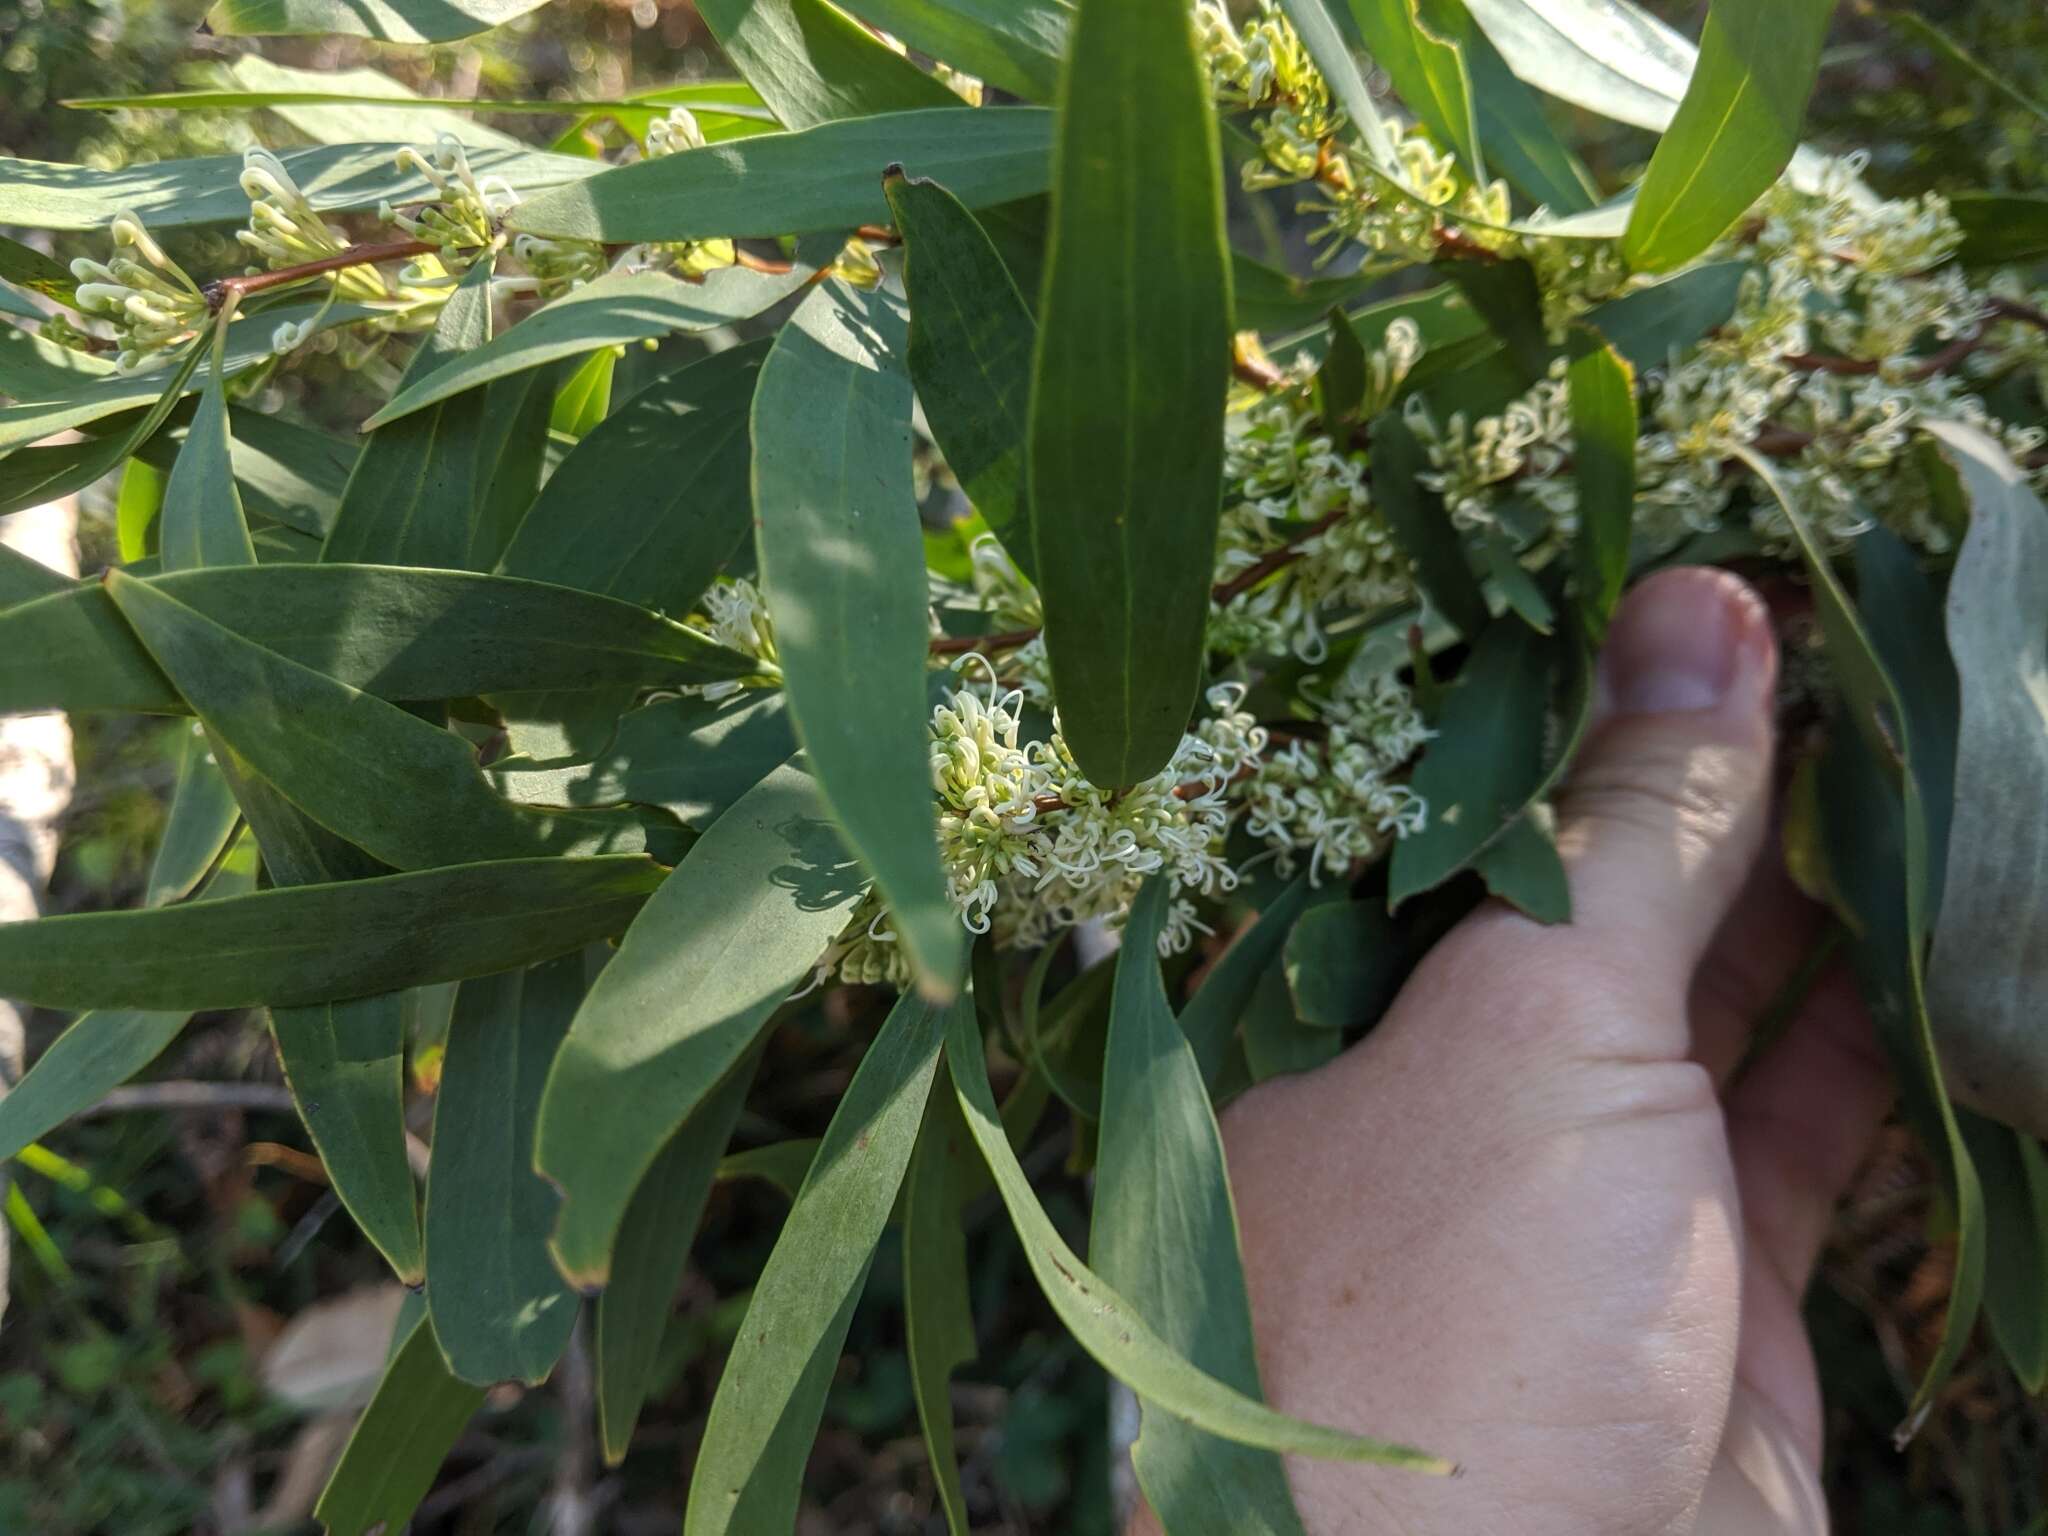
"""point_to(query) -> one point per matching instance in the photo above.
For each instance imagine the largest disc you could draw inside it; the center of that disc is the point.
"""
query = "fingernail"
(1686, 639)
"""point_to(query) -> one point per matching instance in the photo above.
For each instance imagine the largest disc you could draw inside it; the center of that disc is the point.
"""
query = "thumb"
(1662, 816)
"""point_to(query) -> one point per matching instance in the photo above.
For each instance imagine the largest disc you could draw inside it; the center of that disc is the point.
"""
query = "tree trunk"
(35, 788)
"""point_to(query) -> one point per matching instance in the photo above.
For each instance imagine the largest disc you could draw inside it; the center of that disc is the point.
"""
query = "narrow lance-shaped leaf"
(387, 21)
(816, 1269)
(655, 500)
(316, 943)
(1127, 391)
(412, 496)
(500, 1310)
(938, 1318)
(1890, 878)
(1508, 725)
(1517, 137)
(23, 580)
(398, 1445)
(731, 932)
(1428, 72)
(1209, 1018)
(827, 177)
(2014, 1171)
(1106, 1325)
(201, 820)
(1603, 408)
(407, 792)
(398, 633)
(1423, 526)
(971, 340)
(169, 194)
(616, 309)
(96, 1054)
(838, 531)
(137, 502)
(1014, 45)
(1165, 1235)
(1989, 965)
(813, 64)
(1735, 131)
(648, 1261)
(202, 516)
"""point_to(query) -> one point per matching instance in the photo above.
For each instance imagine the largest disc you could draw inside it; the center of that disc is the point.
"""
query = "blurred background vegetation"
(175, 1358)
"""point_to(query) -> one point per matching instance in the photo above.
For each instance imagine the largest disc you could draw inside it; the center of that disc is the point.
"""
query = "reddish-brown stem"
(1780, 442)
(960, 645)
(1926, 368)
(1449, 242)
(1267, 564)
(1255, 370)
(2013, 309)
(217, 292)
(753, 263)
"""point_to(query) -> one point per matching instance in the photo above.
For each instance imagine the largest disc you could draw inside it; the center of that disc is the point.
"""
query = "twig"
(194, 1095)
(1927, 368)
(2013, 309)
(960, 645)
(217, 292)
(1225, 591)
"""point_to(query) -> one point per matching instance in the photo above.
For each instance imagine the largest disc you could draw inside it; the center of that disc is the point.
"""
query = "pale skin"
(1533, 1222)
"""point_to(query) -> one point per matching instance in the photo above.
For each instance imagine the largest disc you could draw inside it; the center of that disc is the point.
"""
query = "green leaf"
(345, 1064)
(1603, 408)
(585, 397)
(1427, 71)
(170, 194)
(1265, 298)
(618, 308)
(202, 522)
(308, 100)
(387, 21)
(691, 757)
(58, 470)
(838, 530)
(1507, 298)
(813, 64)
(1508, 725)
(2001, 228)
(1647, 326)
(826, 177)
(315, 943)
(202, 817)
(23, 580)
(2014, 1172)
(971, 339)
(1990, 954)
(1523, 145)
(1128, 387)
(738, 924)
(409, 793)
(815, 1272)
(938, 1315)
(284, 472)
(656, 499)
(1105, 1324)
(1735, 131)
(97, 1053)
(1164, 1233)
(1209, 1018)
(1423, 526)
(500, 1310)
(26, 267)
(1523, 868)
(1341, 380)
(782, 1165)
(399, 1442)
(392, 632)
(1275, 1040)
(412, 497)
(1876, 826)
(648, 1260)
(1014, 45)
(1343, 964)
(513, 452)
(1920, 29)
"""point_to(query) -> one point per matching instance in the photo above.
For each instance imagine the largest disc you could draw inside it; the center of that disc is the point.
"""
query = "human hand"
(1529, 1223)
